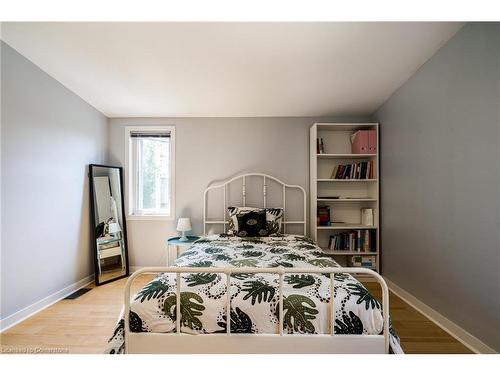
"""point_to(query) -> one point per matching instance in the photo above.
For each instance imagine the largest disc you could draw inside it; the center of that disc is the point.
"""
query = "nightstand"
(174, 241)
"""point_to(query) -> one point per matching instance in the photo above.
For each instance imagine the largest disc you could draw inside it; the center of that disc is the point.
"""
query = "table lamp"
(184, 225)
(114, 228)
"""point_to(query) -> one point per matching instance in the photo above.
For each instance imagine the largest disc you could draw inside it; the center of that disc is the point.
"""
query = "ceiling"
(230, 69)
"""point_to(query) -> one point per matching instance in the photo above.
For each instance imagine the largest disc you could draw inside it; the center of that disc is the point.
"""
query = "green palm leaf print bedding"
(191, 309)
(299, 311)
(254, 296)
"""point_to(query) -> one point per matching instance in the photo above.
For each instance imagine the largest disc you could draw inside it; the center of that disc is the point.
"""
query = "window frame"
(130, 175)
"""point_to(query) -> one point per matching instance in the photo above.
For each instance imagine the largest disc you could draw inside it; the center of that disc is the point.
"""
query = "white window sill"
(150, 217)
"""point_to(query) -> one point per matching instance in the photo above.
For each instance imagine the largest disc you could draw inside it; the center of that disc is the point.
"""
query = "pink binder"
(360, 143)
(372, 141)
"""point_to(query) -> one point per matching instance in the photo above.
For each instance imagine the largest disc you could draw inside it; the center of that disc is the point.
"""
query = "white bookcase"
(353, 194)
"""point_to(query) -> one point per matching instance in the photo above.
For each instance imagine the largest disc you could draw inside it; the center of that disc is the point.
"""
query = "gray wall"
(440, 156)
(49, 135)
(209, 149)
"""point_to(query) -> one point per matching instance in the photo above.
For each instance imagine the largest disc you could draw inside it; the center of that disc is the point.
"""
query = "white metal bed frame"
(238, 343)
(224, 186)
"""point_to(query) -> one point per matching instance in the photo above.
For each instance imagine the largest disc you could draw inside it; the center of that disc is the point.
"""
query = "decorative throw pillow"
(252, 224)
(273, 219)
(233, 221)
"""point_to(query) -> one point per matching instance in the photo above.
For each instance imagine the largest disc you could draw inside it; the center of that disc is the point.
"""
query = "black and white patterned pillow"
(252, 224)
(232, 220)
(274, 217)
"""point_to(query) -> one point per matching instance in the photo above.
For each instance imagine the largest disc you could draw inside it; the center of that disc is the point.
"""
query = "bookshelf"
(344, 197)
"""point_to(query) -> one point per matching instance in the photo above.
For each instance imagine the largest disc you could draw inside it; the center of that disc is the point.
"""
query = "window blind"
(153, 134)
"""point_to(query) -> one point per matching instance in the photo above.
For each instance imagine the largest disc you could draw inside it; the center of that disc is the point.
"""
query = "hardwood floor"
(417, 333)
(84, 325)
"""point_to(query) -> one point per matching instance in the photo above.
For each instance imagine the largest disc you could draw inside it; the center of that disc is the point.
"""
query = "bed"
(279, 300)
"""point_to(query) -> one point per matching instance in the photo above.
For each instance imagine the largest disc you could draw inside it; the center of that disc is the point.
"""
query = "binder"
(372, 141)
(360, 142)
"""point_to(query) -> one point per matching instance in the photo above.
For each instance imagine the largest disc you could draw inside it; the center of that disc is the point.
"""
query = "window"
(150, 171)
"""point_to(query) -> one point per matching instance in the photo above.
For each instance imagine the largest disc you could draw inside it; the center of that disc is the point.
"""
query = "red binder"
(372, 141)
(360, 142)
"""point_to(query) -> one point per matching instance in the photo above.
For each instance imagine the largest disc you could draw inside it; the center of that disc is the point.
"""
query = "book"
(366, 242)
(334, 172)
(323, 215)
(359, 171)
(361, 241)
(347, 171)
(363, 261)
(320, 146)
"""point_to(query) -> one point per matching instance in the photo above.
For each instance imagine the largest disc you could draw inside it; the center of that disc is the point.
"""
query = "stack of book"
(363, 261)
(323, 216)
(361, 170)
(354, 240)
(320, 146)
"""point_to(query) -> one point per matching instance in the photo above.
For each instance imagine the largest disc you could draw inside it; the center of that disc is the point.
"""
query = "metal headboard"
(243, 177)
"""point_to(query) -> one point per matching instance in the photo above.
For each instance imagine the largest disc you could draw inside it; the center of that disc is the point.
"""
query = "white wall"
(49, 135)
(209, 149)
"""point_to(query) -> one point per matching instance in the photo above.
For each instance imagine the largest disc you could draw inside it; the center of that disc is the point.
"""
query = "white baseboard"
(31, 310)
(470, 341)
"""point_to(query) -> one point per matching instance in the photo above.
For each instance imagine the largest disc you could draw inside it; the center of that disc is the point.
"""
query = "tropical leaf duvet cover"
(254, 297)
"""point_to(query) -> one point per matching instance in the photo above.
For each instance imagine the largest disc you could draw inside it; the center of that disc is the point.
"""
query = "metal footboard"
(280, 271)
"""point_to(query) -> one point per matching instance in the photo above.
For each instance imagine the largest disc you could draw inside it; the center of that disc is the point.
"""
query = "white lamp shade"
(184, 224)
(114, 228)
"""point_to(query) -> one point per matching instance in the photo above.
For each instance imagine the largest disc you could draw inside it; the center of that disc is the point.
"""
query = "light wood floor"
(417, 333)
(85, 324)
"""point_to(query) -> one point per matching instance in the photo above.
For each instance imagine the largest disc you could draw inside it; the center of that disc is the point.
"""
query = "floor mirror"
(109, 235)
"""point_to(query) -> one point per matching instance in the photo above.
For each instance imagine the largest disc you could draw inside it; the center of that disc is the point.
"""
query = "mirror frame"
(94, 224)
